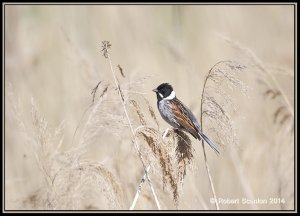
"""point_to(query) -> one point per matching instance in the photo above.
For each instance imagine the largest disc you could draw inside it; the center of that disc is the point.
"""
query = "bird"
(179, 116)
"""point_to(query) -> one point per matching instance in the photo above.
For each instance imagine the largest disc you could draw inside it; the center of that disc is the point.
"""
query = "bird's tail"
(210, 143)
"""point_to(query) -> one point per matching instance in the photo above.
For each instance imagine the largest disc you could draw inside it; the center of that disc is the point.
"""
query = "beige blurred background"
(52, 54)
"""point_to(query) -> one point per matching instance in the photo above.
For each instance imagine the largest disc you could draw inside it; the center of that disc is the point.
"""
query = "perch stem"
(132, 131)
(204, 153)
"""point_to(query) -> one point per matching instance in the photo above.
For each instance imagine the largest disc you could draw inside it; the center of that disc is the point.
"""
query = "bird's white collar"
(171, 96)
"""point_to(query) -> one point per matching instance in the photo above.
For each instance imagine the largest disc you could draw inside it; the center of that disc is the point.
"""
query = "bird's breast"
(165, 109)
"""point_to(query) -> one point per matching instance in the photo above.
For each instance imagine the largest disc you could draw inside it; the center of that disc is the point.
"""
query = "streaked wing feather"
(181, 116)
(186, 119)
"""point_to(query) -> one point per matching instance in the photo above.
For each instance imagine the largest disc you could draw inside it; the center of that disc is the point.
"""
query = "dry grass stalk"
(222, 72)
(139, 190)
(105, 46)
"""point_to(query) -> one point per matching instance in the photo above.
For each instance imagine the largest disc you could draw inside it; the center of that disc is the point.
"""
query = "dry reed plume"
(69, 181)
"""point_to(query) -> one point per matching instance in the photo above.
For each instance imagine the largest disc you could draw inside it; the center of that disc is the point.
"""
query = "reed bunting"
(174, 112)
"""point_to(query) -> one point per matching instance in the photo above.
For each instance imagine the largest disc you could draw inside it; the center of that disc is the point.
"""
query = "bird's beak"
(155, 90)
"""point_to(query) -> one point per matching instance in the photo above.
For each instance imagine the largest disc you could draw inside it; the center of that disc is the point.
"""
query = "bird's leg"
(166, 133)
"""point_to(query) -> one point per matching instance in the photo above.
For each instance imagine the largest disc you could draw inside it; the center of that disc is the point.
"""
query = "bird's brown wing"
(181, 115)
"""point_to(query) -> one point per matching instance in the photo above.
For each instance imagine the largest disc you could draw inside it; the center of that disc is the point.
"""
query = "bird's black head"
(164, 91)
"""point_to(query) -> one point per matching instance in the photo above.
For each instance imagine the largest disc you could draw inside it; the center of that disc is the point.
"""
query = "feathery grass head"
(217, 100)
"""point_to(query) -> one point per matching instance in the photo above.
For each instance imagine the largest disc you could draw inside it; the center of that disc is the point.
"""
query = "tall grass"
(89, 141)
